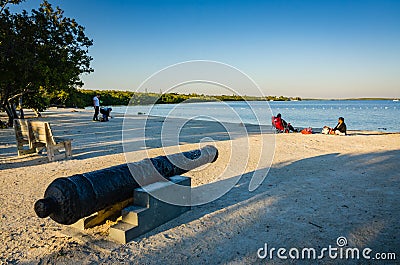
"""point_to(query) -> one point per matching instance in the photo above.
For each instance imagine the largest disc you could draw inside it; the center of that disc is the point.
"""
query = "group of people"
(106, 112)
(284, 127)
(277, 122)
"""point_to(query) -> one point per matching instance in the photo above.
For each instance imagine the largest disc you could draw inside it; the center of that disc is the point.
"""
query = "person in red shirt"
(277, 122)
(281, 125)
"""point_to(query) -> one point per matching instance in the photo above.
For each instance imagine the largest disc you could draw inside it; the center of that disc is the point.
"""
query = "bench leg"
(39, 150)
(22, 152)
(68, 149)
(50, 153)
(53, 152)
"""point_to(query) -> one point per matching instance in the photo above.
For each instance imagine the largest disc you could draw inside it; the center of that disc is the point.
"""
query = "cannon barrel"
(68, 199)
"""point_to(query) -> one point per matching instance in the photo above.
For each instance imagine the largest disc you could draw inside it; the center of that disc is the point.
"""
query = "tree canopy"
(42, 54)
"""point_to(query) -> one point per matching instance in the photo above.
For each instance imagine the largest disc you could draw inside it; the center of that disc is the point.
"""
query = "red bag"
(306, 131)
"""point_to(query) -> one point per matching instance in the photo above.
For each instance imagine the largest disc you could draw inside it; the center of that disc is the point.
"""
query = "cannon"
(68, 199)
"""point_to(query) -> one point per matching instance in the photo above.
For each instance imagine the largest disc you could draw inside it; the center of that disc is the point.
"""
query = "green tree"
(42, 54)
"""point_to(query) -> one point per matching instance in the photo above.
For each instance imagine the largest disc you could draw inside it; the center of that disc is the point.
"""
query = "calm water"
(377, 115)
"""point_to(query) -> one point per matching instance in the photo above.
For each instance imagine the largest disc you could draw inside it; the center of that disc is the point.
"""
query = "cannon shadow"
(298, 206)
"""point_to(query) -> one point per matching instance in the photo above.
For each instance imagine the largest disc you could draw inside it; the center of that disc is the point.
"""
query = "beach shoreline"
(318, 188)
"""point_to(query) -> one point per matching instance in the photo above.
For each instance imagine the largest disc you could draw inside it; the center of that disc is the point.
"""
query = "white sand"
(319, 188)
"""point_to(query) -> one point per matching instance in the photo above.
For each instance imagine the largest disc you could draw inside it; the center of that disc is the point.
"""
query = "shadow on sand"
(285, 211)
(97, 139)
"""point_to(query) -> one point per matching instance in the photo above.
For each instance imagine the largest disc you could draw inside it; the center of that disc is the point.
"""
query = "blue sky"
(325, 49)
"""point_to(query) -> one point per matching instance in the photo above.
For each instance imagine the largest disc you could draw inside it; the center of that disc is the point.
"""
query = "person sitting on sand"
(340, 128)
(281, 125)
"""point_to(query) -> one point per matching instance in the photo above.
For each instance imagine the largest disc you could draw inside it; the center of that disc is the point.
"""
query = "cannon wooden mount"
(143, 212)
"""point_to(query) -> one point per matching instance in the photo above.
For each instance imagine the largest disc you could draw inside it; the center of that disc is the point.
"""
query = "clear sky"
(325, 49)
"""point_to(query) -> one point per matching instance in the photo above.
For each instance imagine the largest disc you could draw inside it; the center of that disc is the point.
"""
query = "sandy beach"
(318, 188)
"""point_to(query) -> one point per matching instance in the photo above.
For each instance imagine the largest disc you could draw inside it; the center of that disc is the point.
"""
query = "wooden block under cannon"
(101, 216)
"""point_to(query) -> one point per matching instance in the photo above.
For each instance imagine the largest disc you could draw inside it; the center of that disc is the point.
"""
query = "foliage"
(42, 55)
(84, 98)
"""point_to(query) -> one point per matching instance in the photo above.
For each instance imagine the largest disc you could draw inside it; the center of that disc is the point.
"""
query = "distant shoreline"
(346, 99)
(306, 99)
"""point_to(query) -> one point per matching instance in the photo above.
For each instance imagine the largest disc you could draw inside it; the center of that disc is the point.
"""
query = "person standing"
(96, 105)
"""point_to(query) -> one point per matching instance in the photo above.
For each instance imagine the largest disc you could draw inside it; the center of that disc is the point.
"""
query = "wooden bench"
(37, 135)
(24, 136)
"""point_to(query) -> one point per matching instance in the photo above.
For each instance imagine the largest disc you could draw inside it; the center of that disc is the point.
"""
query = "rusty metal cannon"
(66, 200)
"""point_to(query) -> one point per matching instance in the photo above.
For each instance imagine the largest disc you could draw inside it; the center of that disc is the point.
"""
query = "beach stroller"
(105, 113)
(279, 125)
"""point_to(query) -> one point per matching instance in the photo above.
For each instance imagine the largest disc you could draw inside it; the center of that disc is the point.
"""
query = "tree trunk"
(10, 115)
(21, 110)
(10, 118)
(14, 111)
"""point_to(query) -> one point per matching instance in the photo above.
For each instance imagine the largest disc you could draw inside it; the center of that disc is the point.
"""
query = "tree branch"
(6, 2)
(4, 5)
(19, 95)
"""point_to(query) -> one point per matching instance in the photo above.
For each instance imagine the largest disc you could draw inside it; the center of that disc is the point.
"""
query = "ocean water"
(375, 115)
